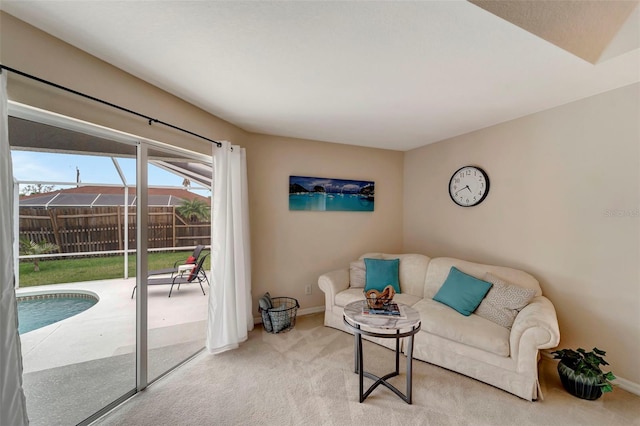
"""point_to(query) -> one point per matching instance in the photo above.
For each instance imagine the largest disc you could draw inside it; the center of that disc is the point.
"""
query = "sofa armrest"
(535, 328)
(333, 283)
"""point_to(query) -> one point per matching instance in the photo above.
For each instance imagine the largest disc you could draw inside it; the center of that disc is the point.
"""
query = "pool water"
(330, 202)
(39, 312)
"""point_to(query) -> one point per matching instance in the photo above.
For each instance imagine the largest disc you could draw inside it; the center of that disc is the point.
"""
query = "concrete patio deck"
(74, 367)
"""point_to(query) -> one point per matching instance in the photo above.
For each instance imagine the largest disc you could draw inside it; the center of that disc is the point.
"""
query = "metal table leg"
(383, 380)
(359, 363)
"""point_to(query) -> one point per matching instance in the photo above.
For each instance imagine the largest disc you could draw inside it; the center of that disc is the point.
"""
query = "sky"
(330, 185)
(54, 167)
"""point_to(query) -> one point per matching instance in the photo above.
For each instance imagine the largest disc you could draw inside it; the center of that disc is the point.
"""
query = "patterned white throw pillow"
(357, 274)
(503, 302)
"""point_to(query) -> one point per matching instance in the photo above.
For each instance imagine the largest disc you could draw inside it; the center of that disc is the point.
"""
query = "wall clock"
(469, 186)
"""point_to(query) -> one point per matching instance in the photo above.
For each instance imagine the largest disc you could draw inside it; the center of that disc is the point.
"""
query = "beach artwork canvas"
(326, 194)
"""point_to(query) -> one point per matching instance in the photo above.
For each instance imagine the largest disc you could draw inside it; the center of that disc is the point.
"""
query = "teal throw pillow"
(462, 292)
(381, 273)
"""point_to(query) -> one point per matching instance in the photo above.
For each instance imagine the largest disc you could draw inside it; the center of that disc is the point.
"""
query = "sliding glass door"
(105, 210)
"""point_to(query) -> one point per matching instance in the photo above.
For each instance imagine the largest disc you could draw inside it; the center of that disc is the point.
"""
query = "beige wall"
(563, 205)
(289, 249)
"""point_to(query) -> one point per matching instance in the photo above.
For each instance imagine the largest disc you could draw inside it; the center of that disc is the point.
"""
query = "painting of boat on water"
(326, 194)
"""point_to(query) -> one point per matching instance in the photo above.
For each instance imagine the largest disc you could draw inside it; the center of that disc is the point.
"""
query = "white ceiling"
(394, 75)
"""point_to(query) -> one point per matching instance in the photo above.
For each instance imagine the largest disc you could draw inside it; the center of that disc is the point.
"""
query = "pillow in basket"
(265, 304)
(280, 318)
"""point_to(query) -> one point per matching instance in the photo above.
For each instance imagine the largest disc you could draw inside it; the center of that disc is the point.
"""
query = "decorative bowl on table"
(379, 299)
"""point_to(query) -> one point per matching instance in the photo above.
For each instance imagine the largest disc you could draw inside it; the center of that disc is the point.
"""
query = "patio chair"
(193, 259)
(181, 277)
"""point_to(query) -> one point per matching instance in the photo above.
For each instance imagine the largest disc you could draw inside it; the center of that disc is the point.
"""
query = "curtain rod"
(151, 120)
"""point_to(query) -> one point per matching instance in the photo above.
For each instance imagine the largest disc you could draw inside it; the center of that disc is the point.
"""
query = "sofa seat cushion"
(352, 294)
(473, 330)
(406, 298)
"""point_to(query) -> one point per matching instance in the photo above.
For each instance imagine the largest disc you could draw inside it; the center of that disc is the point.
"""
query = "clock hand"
(466, 187)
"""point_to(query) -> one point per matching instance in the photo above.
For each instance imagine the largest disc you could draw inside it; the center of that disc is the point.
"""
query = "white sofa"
(470, 345)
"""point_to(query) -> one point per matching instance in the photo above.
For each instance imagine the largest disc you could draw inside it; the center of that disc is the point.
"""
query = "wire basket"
(281, 317)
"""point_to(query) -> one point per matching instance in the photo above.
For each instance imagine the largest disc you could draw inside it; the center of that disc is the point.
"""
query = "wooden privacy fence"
(91, 229)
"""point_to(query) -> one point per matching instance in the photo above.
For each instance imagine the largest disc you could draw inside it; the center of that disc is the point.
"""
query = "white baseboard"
(620, 382)
(309, 311)
(627, 385)
(306, 311)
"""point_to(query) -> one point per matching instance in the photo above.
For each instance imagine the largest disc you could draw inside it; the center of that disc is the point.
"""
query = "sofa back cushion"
(357, 274)
(439, 270)
(413, 269)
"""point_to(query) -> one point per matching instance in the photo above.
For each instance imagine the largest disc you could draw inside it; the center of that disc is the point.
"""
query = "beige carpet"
(305, 377)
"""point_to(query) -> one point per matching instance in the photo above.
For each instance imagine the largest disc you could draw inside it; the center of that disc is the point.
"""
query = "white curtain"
(12, 400)
(230, 313)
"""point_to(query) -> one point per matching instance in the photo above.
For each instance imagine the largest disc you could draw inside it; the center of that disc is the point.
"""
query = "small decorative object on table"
(278, 313)
(377, 300)
(580, 372)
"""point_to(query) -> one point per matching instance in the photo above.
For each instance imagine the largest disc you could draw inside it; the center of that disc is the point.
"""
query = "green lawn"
(92, 268)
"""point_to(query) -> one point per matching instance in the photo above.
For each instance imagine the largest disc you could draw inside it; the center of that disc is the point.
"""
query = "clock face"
(469, 186)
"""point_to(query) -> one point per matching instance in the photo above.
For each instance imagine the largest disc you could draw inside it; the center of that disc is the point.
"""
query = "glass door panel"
(178, 261)
(76, 314)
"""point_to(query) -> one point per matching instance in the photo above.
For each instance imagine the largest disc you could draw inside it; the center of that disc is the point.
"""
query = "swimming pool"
(39, 310)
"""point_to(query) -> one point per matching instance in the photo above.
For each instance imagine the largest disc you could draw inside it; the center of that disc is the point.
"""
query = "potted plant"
(581, 374)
